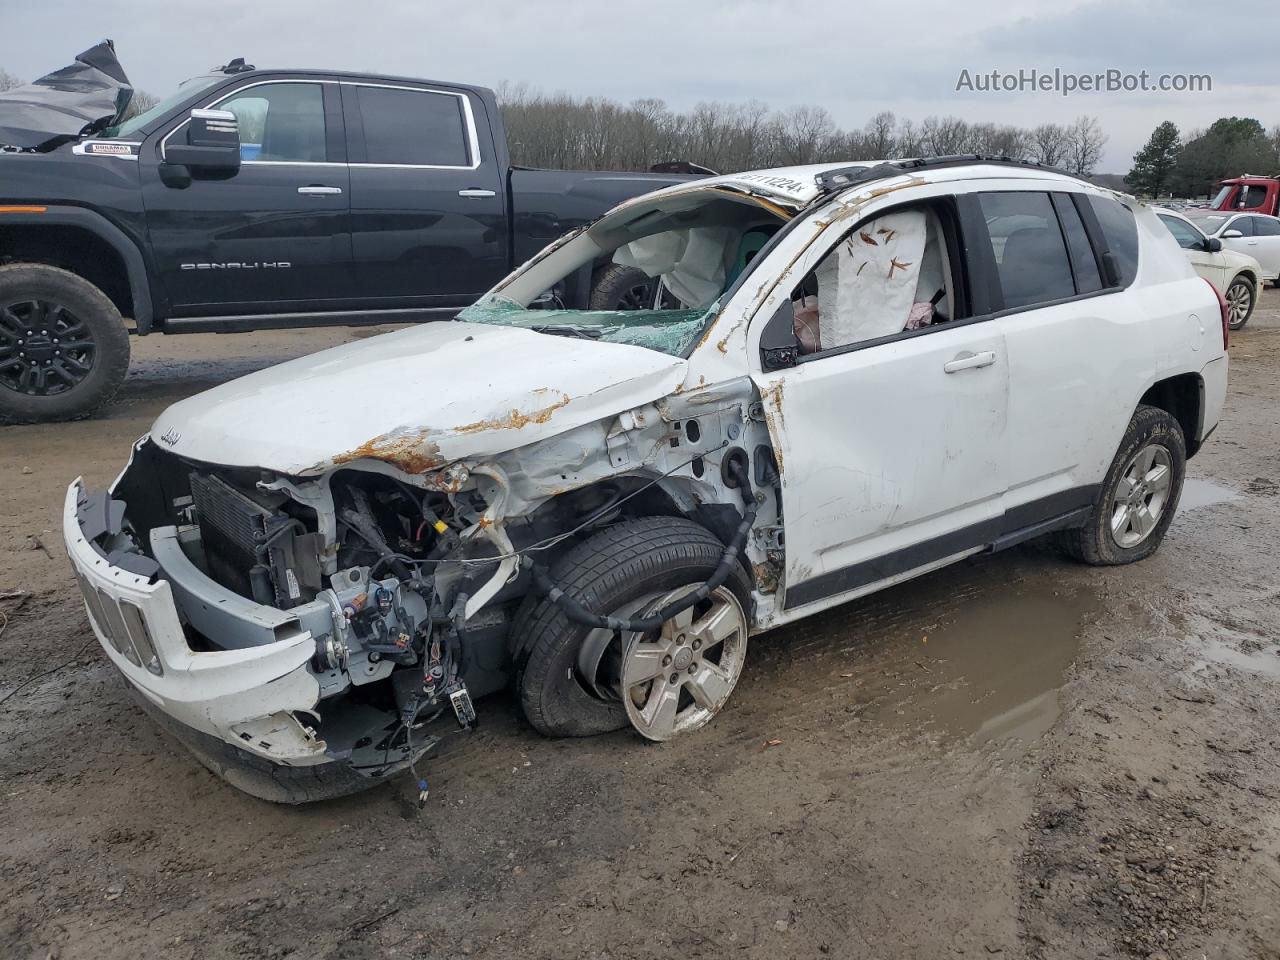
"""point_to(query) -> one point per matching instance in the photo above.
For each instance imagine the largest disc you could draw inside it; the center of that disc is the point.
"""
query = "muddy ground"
(1015, 757)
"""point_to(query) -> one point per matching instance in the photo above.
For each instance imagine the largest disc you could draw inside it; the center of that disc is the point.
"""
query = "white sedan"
(1236, 275)
(1254, 234)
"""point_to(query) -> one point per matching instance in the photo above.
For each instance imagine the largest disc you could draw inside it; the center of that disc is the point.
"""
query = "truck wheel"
(1240, 297)
(1139, 495)
(619, 287)
(64, 349)
(569, 677)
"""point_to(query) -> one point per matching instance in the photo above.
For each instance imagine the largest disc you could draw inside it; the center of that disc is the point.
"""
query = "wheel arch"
(1182, 397)
(88, 245)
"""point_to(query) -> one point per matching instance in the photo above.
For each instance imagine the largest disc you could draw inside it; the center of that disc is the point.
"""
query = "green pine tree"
(1153, 164)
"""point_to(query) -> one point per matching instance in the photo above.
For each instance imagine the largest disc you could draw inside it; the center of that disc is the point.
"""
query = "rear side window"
(413, 127)
(1266, 227)
(1120, 232)
(1083, 262)
(1029, 250)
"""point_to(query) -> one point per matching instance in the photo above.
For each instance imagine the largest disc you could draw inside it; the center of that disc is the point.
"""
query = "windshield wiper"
(567, 330)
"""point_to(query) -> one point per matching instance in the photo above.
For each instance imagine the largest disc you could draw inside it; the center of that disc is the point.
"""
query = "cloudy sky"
(853, 59)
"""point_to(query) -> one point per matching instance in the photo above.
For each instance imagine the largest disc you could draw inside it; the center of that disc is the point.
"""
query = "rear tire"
(64, 349)
(1137, 502)
(1241, 296)
(611, 572)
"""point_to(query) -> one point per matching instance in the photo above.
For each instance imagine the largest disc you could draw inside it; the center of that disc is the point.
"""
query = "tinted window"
(406, 126)
(1243, 224)
(1031, 257)
(1088, 279)
(280, 121)
(1254, 196)
(1186, 235)
(1266, 227)
(1121, 234)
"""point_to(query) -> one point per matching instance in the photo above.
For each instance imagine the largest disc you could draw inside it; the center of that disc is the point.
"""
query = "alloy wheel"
(1142, 495)
(45, 349)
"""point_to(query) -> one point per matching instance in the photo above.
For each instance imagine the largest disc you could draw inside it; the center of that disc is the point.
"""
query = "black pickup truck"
(252, 199)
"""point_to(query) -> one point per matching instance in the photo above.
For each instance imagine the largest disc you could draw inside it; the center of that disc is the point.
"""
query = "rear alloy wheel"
(1139, 495)
(64, 350)
(1240, 297)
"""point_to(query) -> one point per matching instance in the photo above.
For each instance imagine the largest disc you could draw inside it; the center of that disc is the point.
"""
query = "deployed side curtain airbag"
(867, 289)
(90, 94)
(690, 262)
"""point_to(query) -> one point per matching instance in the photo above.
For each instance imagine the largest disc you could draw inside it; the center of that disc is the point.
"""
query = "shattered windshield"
(652, 274)
(188, 88)
(667, 331)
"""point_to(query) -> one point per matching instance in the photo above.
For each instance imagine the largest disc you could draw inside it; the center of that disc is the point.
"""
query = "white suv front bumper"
(245, 697)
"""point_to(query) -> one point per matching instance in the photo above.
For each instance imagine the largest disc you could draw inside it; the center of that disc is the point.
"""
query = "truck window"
(413, 127)
(1253, 196)
(1121, 233)
(280, 122)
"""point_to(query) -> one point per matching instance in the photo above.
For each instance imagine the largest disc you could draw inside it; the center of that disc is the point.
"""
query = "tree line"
(596, 133)
(1168, 165)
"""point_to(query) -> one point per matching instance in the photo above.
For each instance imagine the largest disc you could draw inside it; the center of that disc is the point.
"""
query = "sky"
(854, 59)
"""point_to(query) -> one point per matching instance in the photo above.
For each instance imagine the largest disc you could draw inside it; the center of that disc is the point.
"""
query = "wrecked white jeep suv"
(838, 378)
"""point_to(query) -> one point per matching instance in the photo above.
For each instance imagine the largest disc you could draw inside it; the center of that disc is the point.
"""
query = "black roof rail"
(831, 180)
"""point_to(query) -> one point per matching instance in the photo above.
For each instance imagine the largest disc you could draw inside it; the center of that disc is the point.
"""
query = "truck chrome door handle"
(476, 194)
(317, 190)
(969, 361)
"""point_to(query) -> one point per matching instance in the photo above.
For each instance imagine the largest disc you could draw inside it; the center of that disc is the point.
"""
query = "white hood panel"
(418, 398)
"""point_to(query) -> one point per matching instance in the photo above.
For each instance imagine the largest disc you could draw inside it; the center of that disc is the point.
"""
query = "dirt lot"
(1016, 756)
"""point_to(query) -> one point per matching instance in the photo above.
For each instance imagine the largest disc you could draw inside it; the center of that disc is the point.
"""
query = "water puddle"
(1201, 493)
(1265, 659)
(991, 668)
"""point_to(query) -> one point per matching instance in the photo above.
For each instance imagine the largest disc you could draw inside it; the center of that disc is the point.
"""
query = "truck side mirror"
(1212, 244)
(1231, 234)
(212, 143)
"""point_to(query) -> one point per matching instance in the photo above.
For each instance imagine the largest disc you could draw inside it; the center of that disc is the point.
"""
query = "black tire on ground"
(619, 287)
(1094, 543)
(618, 566)
(93, 326)
(1244, 288)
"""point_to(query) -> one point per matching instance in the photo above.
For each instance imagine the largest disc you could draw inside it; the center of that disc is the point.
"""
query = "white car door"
(1237, 234)
(1265, 245)
(1068, 399)
(1211, 266)
(891, 448)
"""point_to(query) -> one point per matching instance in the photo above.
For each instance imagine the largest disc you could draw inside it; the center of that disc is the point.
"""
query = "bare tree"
(1085, 140)
(140, 102)
(7, 80)
(1048, 144)
(878, 136)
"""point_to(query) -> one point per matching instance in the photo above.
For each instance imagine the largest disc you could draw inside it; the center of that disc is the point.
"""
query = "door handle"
(969, 361)
(317, 190)
(476, 194)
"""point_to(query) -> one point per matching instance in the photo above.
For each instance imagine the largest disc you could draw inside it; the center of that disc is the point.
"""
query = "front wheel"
(64, 350)
(1139, 495)
(576, 681)
(1240, 297)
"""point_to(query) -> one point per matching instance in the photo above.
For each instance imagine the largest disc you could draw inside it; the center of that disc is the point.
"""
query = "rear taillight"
(1225, 314)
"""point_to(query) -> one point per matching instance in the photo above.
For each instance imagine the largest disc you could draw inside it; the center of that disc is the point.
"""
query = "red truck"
(1249, 194)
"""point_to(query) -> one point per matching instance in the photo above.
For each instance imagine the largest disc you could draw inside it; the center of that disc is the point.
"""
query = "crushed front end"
(297, 635)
